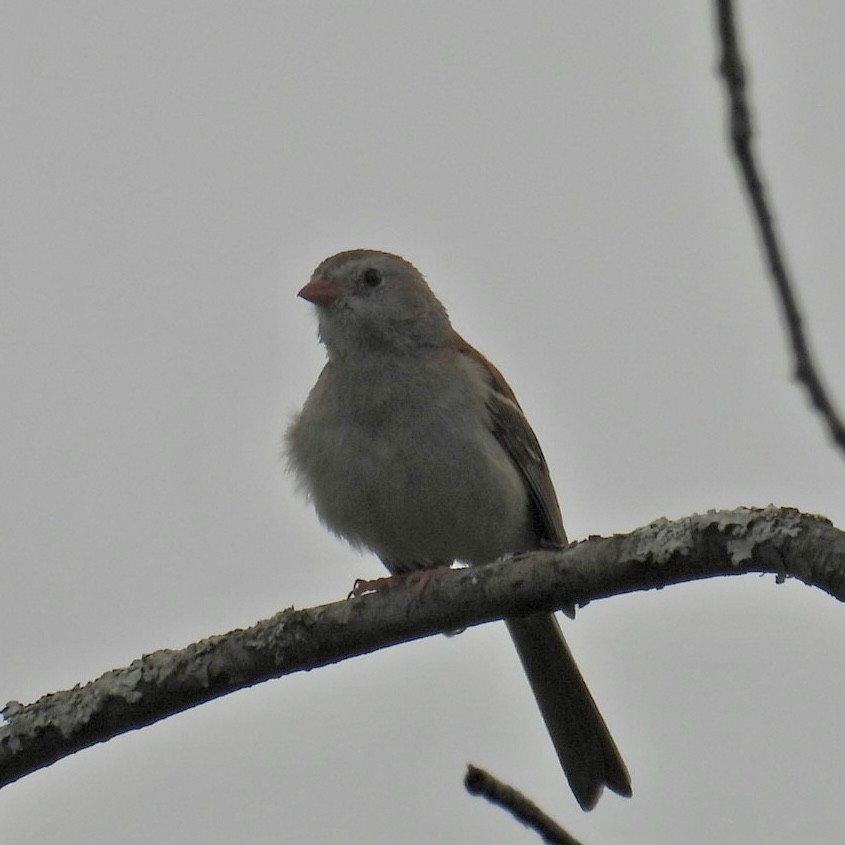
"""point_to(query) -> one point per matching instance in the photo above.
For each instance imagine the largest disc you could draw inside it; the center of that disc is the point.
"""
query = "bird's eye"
(372, 277)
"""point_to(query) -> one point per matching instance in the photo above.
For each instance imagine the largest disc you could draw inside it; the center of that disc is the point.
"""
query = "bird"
(412, 445)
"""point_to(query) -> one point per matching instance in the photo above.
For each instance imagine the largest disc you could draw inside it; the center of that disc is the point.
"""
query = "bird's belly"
(392, 495)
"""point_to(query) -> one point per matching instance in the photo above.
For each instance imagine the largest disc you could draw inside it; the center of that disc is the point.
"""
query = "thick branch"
(781, 541)
(732, 69)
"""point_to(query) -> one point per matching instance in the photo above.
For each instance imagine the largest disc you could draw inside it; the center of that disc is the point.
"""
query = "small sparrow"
(412, 445)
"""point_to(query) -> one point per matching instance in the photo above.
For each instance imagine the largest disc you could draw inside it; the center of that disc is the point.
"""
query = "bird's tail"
(587, 752)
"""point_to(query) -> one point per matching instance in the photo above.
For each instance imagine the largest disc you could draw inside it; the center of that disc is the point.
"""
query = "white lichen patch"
(745, 528)
(662, 539)
(748, 527)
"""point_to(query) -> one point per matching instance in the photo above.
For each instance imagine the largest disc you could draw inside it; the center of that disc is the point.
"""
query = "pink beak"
(321, 291)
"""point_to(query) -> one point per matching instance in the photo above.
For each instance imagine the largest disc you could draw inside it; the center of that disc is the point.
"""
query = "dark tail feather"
(583, 743)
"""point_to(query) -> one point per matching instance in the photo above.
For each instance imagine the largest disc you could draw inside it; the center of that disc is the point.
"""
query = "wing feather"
(517, 438)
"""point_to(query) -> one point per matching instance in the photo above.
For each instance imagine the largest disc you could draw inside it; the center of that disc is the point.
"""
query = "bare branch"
(479, 782)
(732, 69)
(781, 541)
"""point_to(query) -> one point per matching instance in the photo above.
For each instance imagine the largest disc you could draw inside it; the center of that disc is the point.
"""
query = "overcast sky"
(172, 173)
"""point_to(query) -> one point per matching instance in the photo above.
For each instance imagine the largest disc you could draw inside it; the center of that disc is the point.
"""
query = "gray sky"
(171, 175)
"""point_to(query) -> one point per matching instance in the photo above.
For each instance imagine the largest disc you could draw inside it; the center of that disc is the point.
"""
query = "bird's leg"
(418, 578)
(362, 586)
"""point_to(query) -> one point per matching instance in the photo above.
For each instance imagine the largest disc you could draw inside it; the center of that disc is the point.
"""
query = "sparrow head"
(367, 299)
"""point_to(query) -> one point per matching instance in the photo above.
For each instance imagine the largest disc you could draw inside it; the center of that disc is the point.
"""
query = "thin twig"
(732, 69)
(479, 782)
